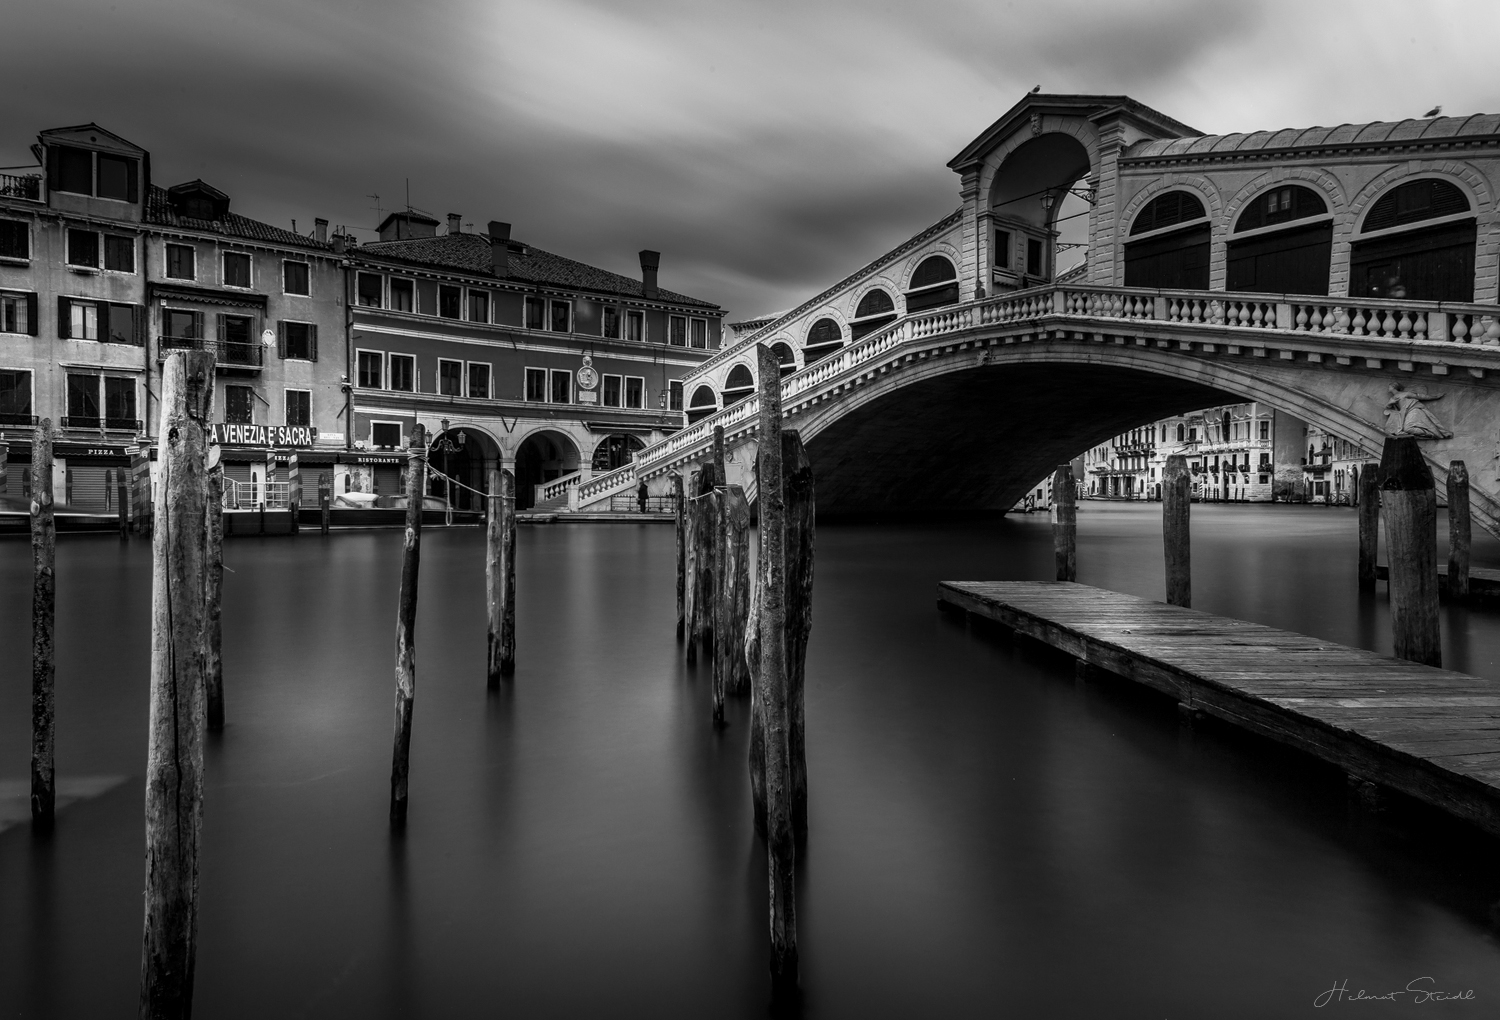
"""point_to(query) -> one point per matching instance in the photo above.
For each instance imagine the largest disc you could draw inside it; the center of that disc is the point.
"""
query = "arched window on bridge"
(823, 339)
(1283, 242)
(787, 357)
(934, 284)
(615, 451)
(1416, 242)
(702, 405)
(875, 310)
(739, 385)
(1181, 432)
(1168, 244)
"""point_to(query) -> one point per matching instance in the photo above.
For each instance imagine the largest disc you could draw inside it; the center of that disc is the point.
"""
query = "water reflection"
(987, 835)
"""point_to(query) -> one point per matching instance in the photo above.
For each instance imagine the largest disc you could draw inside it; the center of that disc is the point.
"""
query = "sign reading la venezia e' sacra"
(265, 435)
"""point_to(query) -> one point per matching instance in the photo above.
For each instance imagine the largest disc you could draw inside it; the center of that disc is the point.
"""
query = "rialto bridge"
(1325, 272)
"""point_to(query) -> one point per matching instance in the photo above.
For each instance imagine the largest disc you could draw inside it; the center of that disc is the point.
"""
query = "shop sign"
(265, 435)
(79, 450)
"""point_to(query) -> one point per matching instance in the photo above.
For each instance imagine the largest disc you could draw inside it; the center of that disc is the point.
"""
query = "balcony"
(14, 419)
(28, 187)
(227, 354)
(96, 424)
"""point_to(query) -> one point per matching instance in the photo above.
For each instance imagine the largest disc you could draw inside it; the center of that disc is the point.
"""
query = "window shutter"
(64, 318)
(32, 326)
(312, 341)
(281, 340)
(138, 325)
(221, 334)
(197, 325)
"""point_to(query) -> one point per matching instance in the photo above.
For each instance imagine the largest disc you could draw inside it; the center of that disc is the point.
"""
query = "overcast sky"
(765, 148)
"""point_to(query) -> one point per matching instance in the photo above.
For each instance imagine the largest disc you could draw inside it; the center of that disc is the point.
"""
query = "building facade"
(510, 356)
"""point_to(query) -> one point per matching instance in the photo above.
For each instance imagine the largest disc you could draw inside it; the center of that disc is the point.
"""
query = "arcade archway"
(542, 456)
(465, 455)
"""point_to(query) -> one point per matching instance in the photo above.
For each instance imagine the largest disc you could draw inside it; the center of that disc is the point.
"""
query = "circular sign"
(268, 338)
(587, 377)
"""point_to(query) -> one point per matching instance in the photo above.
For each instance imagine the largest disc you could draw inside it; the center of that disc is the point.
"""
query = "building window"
(698, 333)
(294, 278)
(677, 330)
(562, 317)
(536, 384)
(367, 289)
(83, 248)
(299, 340)
(479, 306)
(386, 434)
(479, 381)
(450, 302)
(450, 378)
(370, 365)
(535, 313)
(933, 284)
(426, 297)
(236, 269)
(123, 325)
(875, 309)
(180, 324)
(1002, 249)
(610, 396)
(119, 403)
(635, 326)
(738, 385)
(674, 395)
(72, 170)
(239, 405)
(1265, 431)
(15, 398)
(236, 345)
(402, 299)
(116, 178)
(83, 320)
(119, 253)
(823, 339)
(83, 401)
(635, 391)
(1033, 257)
(611, 322)
(562, 386)
(299, 407)
(18, 313)
(180, 263)
(15, 240)
(404, 373)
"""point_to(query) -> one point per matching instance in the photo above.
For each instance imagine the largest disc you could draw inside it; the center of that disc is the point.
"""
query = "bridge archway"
(1025, 200)
(541, 457)
(615, 451)
(1417, 242)
(464, 453)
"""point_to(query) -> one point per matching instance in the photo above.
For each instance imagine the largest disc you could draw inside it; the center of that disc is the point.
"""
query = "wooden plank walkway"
(1430, 733)
(1484, 582)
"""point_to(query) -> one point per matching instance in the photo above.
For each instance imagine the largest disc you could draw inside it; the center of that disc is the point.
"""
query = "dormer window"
(100, 174)
(196, 200)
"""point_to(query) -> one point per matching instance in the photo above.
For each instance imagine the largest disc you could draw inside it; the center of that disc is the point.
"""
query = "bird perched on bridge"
(1433, 112)
(1035, 89)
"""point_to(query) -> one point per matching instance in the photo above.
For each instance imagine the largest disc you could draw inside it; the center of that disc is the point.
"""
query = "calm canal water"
(986, 838)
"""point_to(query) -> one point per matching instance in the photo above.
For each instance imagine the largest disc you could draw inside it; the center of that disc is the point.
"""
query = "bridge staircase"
(1426, 339)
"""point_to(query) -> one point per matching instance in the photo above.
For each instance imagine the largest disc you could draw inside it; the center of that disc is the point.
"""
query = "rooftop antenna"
(379, 213)
(408, 194)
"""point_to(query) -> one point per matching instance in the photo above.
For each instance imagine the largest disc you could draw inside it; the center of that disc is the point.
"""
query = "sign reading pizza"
(265, 435)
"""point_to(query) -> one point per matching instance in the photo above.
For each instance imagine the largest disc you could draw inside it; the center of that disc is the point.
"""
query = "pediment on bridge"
(1029, 116)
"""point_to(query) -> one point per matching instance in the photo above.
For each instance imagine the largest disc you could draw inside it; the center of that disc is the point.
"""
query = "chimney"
(499, 248)
(650, 260)
(340, 242)
(320, 230)
(453, 222)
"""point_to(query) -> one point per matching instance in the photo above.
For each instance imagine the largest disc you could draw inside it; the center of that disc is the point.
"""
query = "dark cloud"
(766, 149)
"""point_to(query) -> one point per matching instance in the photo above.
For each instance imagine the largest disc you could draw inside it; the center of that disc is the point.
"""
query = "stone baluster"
(1460, 330)
(1357, 327)
(1300, 323)
(1403, 326)
(1491, 330)
(1257, 316)
(1388, 324)
(1419, 327)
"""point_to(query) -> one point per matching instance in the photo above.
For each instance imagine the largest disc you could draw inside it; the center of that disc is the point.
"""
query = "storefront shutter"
(87, 488)
(64, 318)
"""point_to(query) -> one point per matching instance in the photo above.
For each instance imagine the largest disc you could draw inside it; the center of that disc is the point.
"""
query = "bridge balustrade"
(1390, 319)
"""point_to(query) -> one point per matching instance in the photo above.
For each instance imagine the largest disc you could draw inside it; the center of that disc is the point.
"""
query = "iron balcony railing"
(13, 418)
(27, 186)
(226, 353)
(94, 423)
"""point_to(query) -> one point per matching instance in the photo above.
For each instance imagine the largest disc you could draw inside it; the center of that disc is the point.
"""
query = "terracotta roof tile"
(160, 212)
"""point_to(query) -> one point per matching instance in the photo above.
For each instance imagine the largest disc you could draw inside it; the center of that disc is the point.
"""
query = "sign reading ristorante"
(265, 435)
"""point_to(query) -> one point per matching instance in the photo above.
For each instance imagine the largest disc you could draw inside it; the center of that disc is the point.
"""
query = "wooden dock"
(1429, 733)
(1484, 582)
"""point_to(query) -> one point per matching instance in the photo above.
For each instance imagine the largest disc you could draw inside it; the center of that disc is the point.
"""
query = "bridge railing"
(1376, 318)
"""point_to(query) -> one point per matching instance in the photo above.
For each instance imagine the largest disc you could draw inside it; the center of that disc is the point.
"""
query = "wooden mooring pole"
(43, 619)
(406, 625)
(325, 499)
(213, 587)
(122, 500)
(1065, 523)
(1176, 508)
(690, 568)
(174, 759)
(680, 509)
(734, 591)
(500, 576)
(1458, 531)
(294, 492)
(4, 465)
(1408, 496)
(796, 470)
(771, 682)
(1369, 524)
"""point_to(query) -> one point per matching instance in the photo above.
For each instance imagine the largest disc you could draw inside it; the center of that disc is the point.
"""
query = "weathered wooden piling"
(294, 492)
(213, 592)
(500, 576)
(1176, 508)
(4, 466)
(1369, 524)
(797, 488)
(690, 567)
(43, 619)
(771, 682)
(174, 759)
(406, 625)
(720, 478)
(325, 499)
(681, 510)
(1458, 530)
(122, 503)
(1065, 523)
(734, 591)
(702, 539)
(1408, 497)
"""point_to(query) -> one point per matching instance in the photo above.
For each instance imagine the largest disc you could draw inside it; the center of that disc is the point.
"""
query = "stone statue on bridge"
(1405, 415)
